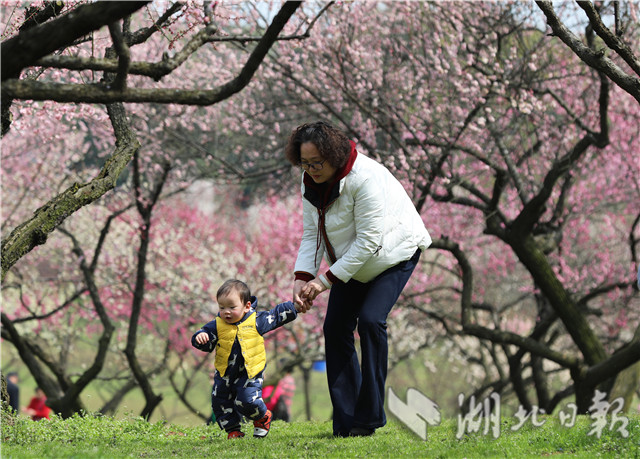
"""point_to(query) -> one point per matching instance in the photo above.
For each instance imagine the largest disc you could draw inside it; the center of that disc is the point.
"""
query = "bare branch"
(534, 207)
(124, 57)
(602, 290)
(576, 118)
(495, 336)
(36, 16)
(74, 390)
(154, 70)
(511, 167)
(22, 345)
(595, 59)
(614, 364)
(30, 45)
(143, 35)
(611, 39)
(64, 305)
(226, 164)
(21, 89)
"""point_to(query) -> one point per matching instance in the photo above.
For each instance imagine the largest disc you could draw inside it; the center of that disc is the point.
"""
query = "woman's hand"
(303, 304)
(312, 289)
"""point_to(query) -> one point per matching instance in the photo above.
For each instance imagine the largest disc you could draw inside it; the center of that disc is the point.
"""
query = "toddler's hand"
(304, 307)
(202, 338)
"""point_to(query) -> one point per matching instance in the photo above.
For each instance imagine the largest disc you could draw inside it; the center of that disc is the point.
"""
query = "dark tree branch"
(182, 393)
(154, 70)
(611, 39)
(35, 16)
(124, 57)
(619, 361)
(511, 167)
(21, 89)
(559, 396)
(602, 290)
(30, 45)
(72, 393)
(111, 406)
(230, 167)
(152, 399)
(144, 34)
(103, 236)
(496, 336)
(28, 357)
(54, 311)
(595, 59)
(567, 108)
(633, 241)
(532, 211)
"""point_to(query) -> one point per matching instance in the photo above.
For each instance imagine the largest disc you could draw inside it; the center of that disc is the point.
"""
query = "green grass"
(107, 437)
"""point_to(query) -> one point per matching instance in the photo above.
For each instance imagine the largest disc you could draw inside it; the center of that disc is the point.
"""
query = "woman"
(359, 217)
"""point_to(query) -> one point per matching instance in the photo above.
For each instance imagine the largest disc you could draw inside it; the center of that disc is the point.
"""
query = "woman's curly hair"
(332, 143)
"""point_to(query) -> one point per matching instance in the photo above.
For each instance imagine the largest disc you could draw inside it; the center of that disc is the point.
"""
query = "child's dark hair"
(235, 285)
(332, 144)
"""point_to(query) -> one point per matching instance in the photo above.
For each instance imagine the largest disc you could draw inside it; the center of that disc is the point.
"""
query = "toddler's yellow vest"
(251, 343)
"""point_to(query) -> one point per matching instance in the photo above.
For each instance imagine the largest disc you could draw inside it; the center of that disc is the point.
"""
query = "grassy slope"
(432, 372)
(109, 437)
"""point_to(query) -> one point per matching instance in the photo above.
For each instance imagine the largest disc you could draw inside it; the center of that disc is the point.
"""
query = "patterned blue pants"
(234, 397)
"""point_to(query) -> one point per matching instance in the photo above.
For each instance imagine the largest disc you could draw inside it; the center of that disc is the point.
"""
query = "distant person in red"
(278, 398)
(37, 407)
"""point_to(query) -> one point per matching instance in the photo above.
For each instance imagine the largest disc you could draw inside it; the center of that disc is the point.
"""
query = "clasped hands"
(305, 292)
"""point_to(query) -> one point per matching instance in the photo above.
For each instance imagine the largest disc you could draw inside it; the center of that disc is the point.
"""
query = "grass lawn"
(107, 437)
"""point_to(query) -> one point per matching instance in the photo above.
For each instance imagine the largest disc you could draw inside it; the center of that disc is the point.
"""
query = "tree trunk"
(626, 385)
(574, 321)
(627, 382)
(5, 394)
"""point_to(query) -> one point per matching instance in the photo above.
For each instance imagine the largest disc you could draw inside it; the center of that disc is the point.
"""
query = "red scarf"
(328, 193)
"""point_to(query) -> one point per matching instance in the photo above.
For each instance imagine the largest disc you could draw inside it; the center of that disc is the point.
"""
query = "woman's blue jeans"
(357, 389)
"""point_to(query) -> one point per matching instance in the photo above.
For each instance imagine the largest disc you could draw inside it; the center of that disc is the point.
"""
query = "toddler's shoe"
(235, 434)
(262, 426)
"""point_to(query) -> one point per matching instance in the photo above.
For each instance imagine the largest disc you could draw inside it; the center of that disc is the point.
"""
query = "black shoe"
(361, 432)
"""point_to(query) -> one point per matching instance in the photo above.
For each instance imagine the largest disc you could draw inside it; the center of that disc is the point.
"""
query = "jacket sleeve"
(308, 261)
(212, 330)
(369, 214)
(277, 317)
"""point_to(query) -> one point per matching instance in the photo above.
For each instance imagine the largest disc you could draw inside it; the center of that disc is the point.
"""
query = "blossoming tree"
(519, 157)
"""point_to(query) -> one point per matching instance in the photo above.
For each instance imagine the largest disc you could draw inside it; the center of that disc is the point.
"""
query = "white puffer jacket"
(370, 227)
